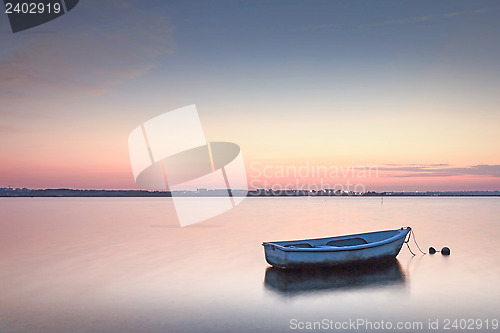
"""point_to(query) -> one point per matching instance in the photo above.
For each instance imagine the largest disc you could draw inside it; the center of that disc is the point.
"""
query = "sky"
(407, 89)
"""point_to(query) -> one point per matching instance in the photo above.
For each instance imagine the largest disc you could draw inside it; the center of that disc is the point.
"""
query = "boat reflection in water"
(298, 281)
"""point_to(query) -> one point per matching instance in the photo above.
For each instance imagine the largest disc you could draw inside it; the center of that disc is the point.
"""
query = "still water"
(124, 265)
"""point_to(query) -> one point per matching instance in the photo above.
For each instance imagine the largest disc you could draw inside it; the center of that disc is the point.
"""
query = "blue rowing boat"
(337, 250)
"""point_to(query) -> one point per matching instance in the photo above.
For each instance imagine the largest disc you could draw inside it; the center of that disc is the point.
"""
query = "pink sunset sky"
(412, 92)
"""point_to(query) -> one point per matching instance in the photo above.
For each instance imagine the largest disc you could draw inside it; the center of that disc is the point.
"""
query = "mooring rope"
(415, 241)
(408, 245)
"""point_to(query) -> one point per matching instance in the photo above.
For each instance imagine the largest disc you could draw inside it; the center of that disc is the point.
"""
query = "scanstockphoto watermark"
(27, 14)
(170, 152)
(360, 324)
(364, 324)
(312, 177)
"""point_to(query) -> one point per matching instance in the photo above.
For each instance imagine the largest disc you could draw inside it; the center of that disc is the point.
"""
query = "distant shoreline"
(25, 192)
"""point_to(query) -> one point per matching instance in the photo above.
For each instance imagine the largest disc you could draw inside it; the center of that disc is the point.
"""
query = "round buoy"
(445, 251)
(432, 250)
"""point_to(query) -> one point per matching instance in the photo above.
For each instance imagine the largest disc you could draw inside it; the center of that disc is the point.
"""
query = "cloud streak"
(442, 170)
(426, 18)
(9, 130)
(399, 21)
(87, 57)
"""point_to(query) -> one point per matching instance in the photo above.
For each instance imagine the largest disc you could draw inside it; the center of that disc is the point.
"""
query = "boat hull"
(342, 250)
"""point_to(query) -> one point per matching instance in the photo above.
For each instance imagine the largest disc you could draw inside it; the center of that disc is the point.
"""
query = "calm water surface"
(124, 265)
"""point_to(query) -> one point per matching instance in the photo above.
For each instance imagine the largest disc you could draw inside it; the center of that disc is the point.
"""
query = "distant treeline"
(25, 192)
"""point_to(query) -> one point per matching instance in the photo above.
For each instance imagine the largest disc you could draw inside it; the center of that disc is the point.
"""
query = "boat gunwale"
(401, 233)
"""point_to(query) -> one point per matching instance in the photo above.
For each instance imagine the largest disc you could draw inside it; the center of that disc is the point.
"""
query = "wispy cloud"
(9, 130)
(441, 170)
(434, 17)
(398, 21)
(108, 43)
(416, 165)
